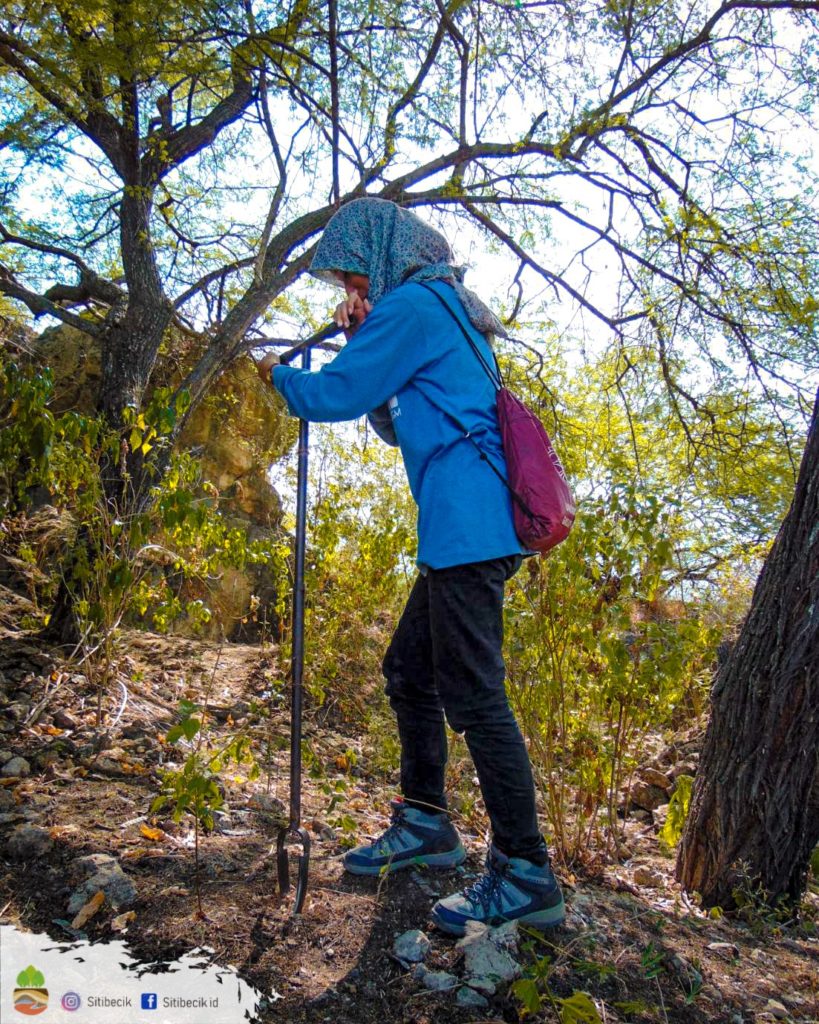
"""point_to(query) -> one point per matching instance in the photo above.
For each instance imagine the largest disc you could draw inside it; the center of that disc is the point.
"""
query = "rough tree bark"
(755, 807)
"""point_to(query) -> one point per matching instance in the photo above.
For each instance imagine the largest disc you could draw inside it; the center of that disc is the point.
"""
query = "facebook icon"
(149, 1000)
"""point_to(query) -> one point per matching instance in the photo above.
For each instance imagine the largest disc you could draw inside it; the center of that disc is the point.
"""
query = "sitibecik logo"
(31, 995)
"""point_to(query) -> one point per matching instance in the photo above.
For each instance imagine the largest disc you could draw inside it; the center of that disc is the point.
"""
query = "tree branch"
(40, 305)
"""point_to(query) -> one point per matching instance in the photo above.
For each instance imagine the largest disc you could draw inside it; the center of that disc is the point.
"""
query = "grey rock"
(712, 994)
(16, 766)
(218, 864)
(104, 875)
(646, 875)
(7, 801)
(263, 803)
(487, 961)
(439, 981)
(727, 950)
(647, 795)
(222, 821)
(63, 720)
(469, 997)
(10, 817)
(654, 777)
(29, 842)
(5, 755)
(411, 947)
(505, 936)
(423, 884)
(91, 863)
(483, 984)
(776, 1009)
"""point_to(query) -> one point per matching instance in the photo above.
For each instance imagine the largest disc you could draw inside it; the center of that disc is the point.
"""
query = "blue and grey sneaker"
(414, 839)
(512, 889)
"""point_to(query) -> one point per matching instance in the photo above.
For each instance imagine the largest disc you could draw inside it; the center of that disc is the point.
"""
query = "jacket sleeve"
(385, 352)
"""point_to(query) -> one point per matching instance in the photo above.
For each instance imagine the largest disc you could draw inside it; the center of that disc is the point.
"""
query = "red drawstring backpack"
(543, 508)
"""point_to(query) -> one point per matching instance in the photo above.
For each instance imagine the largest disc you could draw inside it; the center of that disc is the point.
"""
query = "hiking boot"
(512, 889)
(414, 839)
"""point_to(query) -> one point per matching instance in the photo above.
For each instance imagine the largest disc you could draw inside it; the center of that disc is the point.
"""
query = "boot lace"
(486, 889)
(395, 826)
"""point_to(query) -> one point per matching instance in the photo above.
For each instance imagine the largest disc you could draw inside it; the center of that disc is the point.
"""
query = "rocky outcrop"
(235, 434)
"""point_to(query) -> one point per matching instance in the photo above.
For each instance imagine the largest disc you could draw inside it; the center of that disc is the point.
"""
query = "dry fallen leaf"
(120, 923)
(154, 834)
(58, 831)
(174, 890)
(88, 911)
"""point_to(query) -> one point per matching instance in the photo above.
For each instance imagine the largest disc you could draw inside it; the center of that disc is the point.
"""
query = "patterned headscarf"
(392, 246)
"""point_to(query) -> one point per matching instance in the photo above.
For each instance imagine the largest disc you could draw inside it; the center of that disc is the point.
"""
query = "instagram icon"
(71, 1001)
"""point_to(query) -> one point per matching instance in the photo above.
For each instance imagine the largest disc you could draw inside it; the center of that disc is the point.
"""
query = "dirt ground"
(642, 952)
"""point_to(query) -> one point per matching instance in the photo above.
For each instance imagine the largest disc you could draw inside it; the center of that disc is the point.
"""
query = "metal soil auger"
(293, 829)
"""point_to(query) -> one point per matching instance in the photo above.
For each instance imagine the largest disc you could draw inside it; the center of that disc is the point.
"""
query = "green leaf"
(678, 805)
(525, 990)
(190, 727)
(578, 1009)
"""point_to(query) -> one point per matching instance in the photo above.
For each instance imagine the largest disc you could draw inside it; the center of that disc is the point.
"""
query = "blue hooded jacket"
(410, 354)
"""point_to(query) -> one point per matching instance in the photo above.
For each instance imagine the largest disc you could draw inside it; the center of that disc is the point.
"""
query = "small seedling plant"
(195, 788)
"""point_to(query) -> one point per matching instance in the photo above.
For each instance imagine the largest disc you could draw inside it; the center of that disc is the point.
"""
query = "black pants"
(445, 659)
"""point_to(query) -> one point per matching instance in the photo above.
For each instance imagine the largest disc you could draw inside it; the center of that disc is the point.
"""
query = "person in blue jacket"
(408, 366)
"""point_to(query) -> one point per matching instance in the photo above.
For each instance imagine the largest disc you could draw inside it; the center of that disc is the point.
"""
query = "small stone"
(91, 863)
(29, 842)
(487, 962)
(469, 997)
(222, 821)
(239, 709)
(7, 801)
(645, 795)
(776, 1009)
(641, 815)
(654, 777)
(648, 876)
(63, 720)
(684, 768)
(712, 994)
(423, 884)
(17, 766)
(266, 804)
(575, 922)
(105, 875)
(439, 981)
(505, 936)
(727, 950)
(5, 755)
(411, 947)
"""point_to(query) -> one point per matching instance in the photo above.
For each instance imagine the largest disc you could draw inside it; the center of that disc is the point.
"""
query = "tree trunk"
(754, 812)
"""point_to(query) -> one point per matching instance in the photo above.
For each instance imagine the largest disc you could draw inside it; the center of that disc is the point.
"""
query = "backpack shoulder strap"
(494, 375)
